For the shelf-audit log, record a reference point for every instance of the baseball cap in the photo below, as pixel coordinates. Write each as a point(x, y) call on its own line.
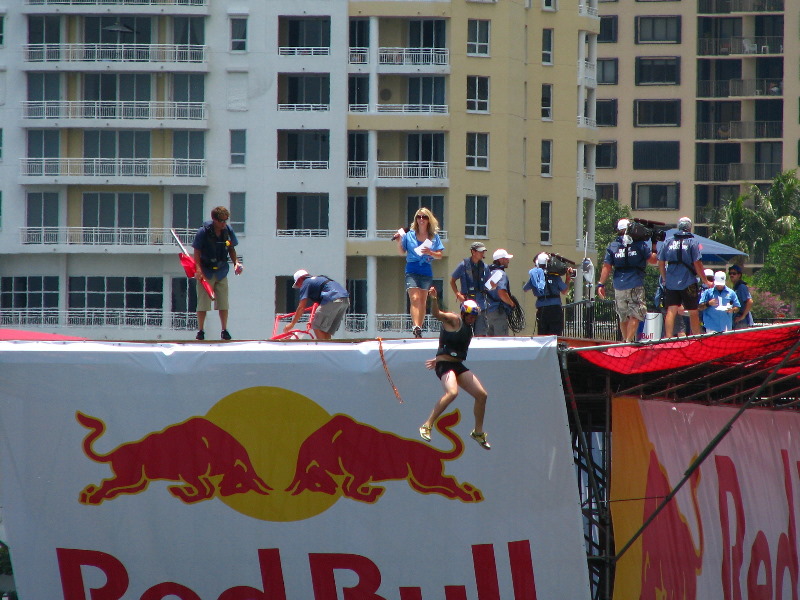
point(735, 268)
point(470, 307)
point(719, 278)
point(542, 258)
point(500, 253)
point(708, 273)
point(684, 224)
point(478, 246)
point(623, 224)
point(298, 275)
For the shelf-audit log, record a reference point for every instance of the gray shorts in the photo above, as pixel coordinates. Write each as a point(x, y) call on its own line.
point(630, 303)
point(329, 316)
point(220, 287)
point(497, 323)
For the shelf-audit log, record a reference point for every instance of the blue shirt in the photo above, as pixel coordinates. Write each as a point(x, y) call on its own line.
point(214, 249)
point(718, 320)
point(419, 263)
point(322, 290)
point(547, 287)
point(493, 301)
point(629, 262)
point(472, 289)
point(680, 253)
point(743, 293)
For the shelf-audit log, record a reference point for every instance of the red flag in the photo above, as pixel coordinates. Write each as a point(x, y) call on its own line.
point(190, 268)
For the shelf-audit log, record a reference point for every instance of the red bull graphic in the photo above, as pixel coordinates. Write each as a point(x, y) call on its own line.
point(206, 460)
point(349, 456)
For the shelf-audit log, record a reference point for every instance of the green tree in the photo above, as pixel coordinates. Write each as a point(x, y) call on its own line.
point(781, 265)
point(608, 212)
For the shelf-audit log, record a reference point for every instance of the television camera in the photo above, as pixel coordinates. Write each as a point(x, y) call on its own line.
point(560, 265)
point(640, 230)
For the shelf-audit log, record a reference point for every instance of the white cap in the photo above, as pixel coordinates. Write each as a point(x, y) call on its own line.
point(622, 224)
point(719, 278)
point(500, 253)
point(542, 258)
point(708, 273)
point(299, 275)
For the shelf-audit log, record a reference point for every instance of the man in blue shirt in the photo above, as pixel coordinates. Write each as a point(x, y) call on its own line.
point(472, 274)
point(629, 260)
point(498, 298)
point(744, 318)
point(680, 264)
point(719, 304)
point(548, 289)
point(333, 302)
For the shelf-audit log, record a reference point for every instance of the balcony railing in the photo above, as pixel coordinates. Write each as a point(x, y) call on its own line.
point(412, 108)
point(113, 167)
point(586, 121)
point(304, 51)
point(98, 317)
point(117, 2)
point(390, 169)
point(587, 72)
point(302, 233)
point(740, 45)
point(88, 109)
point(402, 323)
point(304, 107)
point(740, 130)
point(413, 56)
point(303, 164)
point(104, 236)
point(357, 169)
point(587, 11)
point(739, 87)
point(359, 56)
point(722, 7)
point(169, 53)
point(737, 172)
point(382, 234)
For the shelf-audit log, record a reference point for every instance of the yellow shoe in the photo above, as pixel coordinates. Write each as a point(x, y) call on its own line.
point(425, 433)
point(481, 439)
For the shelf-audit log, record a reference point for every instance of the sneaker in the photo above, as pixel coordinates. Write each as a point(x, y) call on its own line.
point(417, 331)
point(481, 439)
point(225, 335)
point(425, 433)
point(201, 335)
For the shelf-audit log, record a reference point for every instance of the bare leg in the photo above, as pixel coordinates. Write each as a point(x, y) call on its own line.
point(223, 318)
point(418, 298)
point(322, 335)
point(669, 321)
point(450, 385)
point(201, 319)
point(694, 322)
point(472, 385)
point(629, 329)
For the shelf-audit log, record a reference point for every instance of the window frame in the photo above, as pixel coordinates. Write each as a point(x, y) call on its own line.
point(662, 150)
point(16, 295)
point(614, 191)
point(238, 38)
point(238, 147)
point(473, 158)
point(639, 67)
point(653, 26)
point(614, 154)
point(549, 5)
point(613, 33)
point(478, 93)
point(547, 110)
point(476, 47)
point(548, 43)
point(639, 102)
point(237, 201)
point(635, 186)
point(546, 223)
point(604, 62)
point(546, 158)
point(476, 216)
point(603, 102)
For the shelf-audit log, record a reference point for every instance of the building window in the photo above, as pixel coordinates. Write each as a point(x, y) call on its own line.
point(357, 213)
point(35, 291)
point(42, 209)
point(664, 70)
point(305, 212)
point(238, 146)
point(606, 113)
point(606, 155)
point(184, 298)
point(358, 93)
point(547, 46)
point(549, 4)
point(306, 89)
point(116, 210)
point(653, 196)
point(237, 208)
point(608, 29)
point(477, 150)
point(547, 158)
point(478, 37)
point(658, 30)
point(545, 222)
point(434, 202)
point(357, 288)
point(476, 222)
point(547, 102)
point(1, 144)
point(477, 94)
point(116, 293)
point(427, 91)
point(2, 30)
point(657, 113)
point(187, 211)
point(305, 32)
point(656, 155)
point(238, 34)
point(607, 191)
point(607, 71)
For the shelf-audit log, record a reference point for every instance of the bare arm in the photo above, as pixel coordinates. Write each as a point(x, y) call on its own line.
point(505, 297)
point(699, 268)
point(301, 307)
point(445, 317)
point(457, 294)
point(198, 272)
point(605, 272)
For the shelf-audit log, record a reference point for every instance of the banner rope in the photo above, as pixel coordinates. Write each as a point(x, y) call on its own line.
point(386, 368)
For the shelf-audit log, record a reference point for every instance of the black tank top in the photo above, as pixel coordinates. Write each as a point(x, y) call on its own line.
point(455, 343)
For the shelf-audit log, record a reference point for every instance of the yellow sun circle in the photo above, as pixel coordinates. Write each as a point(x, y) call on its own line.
point(272, 423)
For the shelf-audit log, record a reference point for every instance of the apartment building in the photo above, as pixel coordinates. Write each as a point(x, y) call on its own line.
point(322, 125)
point(694, 102)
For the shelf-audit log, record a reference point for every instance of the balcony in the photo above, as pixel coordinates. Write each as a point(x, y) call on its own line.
point(303, 233)
point(748, 172)
point(86, 109)
point(586, 185)
point(414, 56)
point(739, 87)
point(381, 234)
point(104, 236)
point(304, 107)
point(738, 130)
point(586, 122)
point(98, 317)
point(585, 10)
point(94, 168)
point(740, 45)
point(358, 56)
point(116, 2)
point(119, 53)
point(724, 7)
point(304, 51)
point(415, 109)
point(587, 73)
point(303, 165)
point(392, 169)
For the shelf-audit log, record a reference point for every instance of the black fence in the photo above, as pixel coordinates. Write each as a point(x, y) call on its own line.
point(591, 319)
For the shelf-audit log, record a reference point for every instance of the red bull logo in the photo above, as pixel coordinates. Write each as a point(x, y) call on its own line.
point(274, 455)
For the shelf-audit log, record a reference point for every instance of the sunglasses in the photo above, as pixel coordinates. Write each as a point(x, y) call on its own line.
point(422, 217)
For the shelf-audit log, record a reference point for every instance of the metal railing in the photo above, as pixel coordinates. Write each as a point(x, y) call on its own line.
point(413, 56)
point(170, 53)
point(358, 56)
point(304, 51)
point(721, 7)
point(303, 164)
point(117, 2)
point(97, 109)
point(304, 107)
point(390, 169)
point(739, 87)
point(591, 319)
point(355, 323)
point(737, 172)
point(98, 317)
point(739, 130)
point(356, 169)
point(586, 121)
point(402, 323)
point(104, 236)
point(113, 167)
point(588, 11)
point(302, 233)
point(382, 234)
point(412, 108)
point(740, 45)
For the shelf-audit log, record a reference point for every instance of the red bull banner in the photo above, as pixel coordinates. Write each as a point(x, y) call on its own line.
point(730, 533)
point(268, 471)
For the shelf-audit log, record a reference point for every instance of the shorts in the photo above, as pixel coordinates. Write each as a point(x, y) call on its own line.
point(549, 320)
point(497, 322)
point(686, 298)
point(630, 303)
point(329, 316)
point(416, 280)
point(220, 287)
point(443, 366)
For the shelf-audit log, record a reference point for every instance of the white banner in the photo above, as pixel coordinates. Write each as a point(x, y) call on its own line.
point(276, 471)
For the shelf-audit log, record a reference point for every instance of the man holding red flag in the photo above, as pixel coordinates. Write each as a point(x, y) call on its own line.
point(213, 243)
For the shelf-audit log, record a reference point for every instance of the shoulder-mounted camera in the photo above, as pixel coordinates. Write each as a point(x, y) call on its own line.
point(558, 265)
point(641, 230)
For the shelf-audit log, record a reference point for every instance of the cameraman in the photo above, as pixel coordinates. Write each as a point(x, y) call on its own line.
point(498, 299)
point(629, 260)
point(548, 287)
point(680, 264)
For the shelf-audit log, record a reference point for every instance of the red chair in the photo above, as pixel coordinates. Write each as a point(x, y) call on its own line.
point(295, 334)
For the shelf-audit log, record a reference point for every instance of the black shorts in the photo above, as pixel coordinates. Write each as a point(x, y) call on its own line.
point(686, 298)
point(443, 366)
